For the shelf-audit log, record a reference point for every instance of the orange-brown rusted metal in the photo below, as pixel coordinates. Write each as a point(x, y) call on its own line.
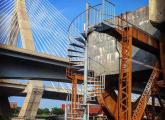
point(161, 83)
point(74, 78)
point(162, 53)
point(130, 34)
point(125, 82)
point(140, 109)
point(80, 77)
point(142, 37)
point(145, 38)
point(121, 109)
point(74, 95)
point(70, 75)
point(106, 101)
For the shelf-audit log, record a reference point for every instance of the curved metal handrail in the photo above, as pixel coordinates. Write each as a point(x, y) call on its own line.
point(96, 15)
point(110, 3)
point(81, 14)
point(91, 7)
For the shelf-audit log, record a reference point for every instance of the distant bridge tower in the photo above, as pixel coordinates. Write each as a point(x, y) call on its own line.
point(35, 88)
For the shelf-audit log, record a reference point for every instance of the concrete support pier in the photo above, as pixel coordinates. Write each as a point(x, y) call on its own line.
point(32, 101)
point(157, 13)
point(157, 19)
point(35, 88)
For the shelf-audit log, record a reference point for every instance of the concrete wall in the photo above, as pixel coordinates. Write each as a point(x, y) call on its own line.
point(102, 47)
point(157, 13)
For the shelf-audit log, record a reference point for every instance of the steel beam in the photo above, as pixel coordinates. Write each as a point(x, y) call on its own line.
point(11, 88)
point(17, 64)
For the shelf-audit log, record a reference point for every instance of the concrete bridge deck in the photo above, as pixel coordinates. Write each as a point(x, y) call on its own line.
point(19, 63)
point(15, 88)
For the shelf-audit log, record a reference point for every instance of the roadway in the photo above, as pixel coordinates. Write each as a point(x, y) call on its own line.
point(21, 64)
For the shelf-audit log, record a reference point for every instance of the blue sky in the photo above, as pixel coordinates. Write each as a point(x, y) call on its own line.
point(71, 8)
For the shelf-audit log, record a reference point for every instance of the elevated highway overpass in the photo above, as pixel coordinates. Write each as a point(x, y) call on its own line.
point(21, 64)
point(26, 64)
point(15, 88)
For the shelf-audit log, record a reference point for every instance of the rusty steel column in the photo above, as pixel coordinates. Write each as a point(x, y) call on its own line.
point(162, 52)
point(35, 88)
point(74, 96)
point(125, 83)
point(157, 19)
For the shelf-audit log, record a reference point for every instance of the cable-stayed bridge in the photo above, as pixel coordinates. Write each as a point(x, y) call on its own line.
point(34, 46)
point(48, 25)
point(34, 25)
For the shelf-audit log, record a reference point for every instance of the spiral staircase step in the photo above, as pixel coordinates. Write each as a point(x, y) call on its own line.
point(76, 45)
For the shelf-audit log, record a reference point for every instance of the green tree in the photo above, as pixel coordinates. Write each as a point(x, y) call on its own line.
point(39, 112)
point(15, 110)
point(46, 111)
point(57, 111)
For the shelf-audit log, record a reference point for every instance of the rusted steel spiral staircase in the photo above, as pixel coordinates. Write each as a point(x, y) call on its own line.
point(101, 18)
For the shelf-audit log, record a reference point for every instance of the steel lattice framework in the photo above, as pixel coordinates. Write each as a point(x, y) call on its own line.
point(125, 83)
point(128, 35)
